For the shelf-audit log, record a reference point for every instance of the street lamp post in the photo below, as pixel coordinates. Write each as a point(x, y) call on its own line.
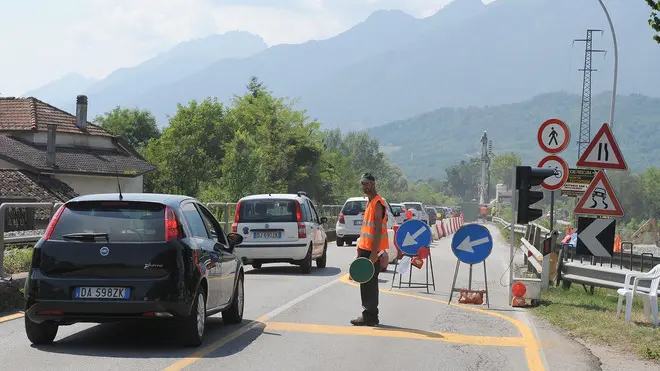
point(616, 64)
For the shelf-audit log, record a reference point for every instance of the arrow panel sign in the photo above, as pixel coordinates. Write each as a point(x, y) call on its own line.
point(472, 243)
point(599, 199)
point(603, 152)
point(412, 235)
point(595, 237)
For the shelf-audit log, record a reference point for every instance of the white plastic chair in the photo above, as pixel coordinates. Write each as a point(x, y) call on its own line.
point(650, 299)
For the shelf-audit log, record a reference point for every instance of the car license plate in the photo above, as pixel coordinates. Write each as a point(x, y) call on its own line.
point(357, 222)
point(102, 293)
point(267, 235)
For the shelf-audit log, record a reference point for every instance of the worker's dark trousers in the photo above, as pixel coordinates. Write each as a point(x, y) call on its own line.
point(369, 291)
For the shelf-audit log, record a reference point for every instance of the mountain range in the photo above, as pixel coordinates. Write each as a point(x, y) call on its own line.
point(425, 145)
point(393, 66)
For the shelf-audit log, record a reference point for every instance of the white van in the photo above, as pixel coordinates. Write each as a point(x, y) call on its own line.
point(280, 228)
point(350, 219)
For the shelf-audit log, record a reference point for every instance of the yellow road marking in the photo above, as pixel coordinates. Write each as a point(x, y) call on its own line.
point(181, 364)
point(11, 317)
point(532, 349)
point(402, 333)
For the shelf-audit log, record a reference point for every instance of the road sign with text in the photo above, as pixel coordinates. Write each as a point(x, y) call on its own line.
point(578, 182)
point(599, 199)
point(553, 136)
point(603, 152)
point(595, 237)
point(560, 168)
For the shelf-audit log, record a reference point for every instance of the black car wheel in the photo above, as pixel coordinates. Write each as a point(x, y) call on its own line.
point(40, 333)
point(194, 325)
point(340, 242)
point(234, 314)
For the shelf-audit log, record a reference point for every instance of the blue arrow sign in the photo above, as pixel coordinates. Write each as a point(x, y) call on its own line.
point(412, 235)
point(472, 243)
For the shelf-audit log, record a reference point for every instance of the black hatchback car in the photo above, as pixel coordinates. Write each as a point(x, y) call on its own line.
point(112, 257)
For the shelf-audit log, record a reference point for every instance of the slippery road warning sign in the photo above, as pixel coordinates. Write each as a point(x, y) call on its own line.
point(599, 199)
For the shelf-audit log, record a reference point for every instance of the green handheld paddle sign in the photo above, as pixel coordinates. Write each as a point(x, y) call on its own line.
point(361, 270)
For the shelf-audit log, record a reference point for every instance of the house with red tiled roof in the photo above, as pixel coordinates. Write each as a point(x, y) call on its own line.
point(61, 153)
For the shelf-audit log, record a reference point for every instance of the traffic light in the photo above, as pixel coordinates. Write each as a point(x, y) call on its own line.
point(526, 178)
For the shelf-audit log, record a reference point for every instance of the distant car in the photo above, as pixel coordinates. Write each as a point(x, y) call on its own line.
point(349, 224)
point(420, 208)
point(399, 212)
point(136, 257)
point(433, 215)
point(280, 228)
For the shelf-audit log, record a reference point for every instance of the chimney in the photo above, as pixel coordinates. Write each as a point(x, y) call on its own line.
point(81, 112)
point(50, 145)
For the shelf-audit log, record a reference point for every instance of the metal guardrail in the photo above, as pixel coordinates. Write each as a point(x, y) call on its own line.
point(537, 257)
point(519, 228)
point(597, 276)
point(3, 209)
point(587, 272)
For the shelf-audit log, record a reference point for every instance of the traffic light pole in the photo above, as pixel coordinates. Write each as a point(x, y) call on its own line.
point(514, 202)
point(552, 211)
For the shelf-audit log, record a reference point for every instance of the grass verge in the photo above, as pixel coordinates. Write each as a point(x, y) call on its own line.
point(593, 317)
point(18, 260)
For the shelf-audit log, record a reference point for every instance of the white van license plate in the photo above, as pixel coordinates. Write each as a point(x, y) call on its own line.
point(357, 222)
point(102, 293)
point(259, 235)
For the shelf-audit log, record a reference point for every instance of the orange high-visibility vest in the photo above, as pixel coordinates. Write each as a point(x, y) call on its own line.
point(409, 214)
point(368, 231)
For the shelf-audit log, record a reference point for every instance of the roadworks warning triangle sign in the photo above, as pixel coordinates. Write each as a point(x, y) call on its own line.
point(603, 152)
point(599, 199)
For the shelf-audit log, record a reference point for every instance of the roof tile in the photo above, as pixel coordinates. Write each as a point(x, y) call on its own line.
point(73, 160)
point(23, 184)
point(28, 114)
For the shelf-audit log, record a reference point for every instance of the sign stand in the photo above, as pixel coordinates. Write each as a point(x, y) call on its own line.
point(471, 245)
point(469, 290)
point(411, 237)
point(409, 283)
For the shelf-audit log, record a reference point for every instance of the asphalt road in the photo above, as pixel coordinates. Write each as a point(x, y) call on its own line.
point(301, 322)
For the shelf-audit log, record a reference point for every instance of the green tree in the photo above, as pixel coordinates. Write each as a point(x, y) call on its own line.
point(654, 20)
point(132, 124)
point(463, 178)
point(500, 168)
point(650, 183)
point(191, 148)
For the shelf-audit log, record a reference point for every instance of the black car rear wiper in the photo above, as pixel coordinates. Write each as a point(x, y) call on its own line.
point(86, 236)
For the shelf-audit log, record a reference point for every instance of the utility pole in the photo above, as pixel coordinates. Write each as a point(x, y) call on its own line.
point(616, 63)
point(485, 164)
point(585, 111)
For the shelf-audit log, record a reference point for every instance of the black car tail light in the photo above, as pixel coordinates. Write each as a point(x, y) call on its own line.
point(172, 227)
point(53, 222)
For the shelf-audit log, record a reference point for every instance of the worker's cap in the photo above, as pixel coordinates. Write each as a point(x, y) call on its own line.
point(367, 177)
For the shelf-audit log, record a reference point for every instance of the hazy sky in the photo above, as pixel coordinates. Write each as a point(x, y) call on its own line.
point(43, 40)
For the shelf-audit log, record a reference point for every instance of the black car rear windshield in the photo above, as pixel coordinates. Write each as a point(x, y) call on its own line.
point(267, 211)
point(122, 221)
point(354, 207)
